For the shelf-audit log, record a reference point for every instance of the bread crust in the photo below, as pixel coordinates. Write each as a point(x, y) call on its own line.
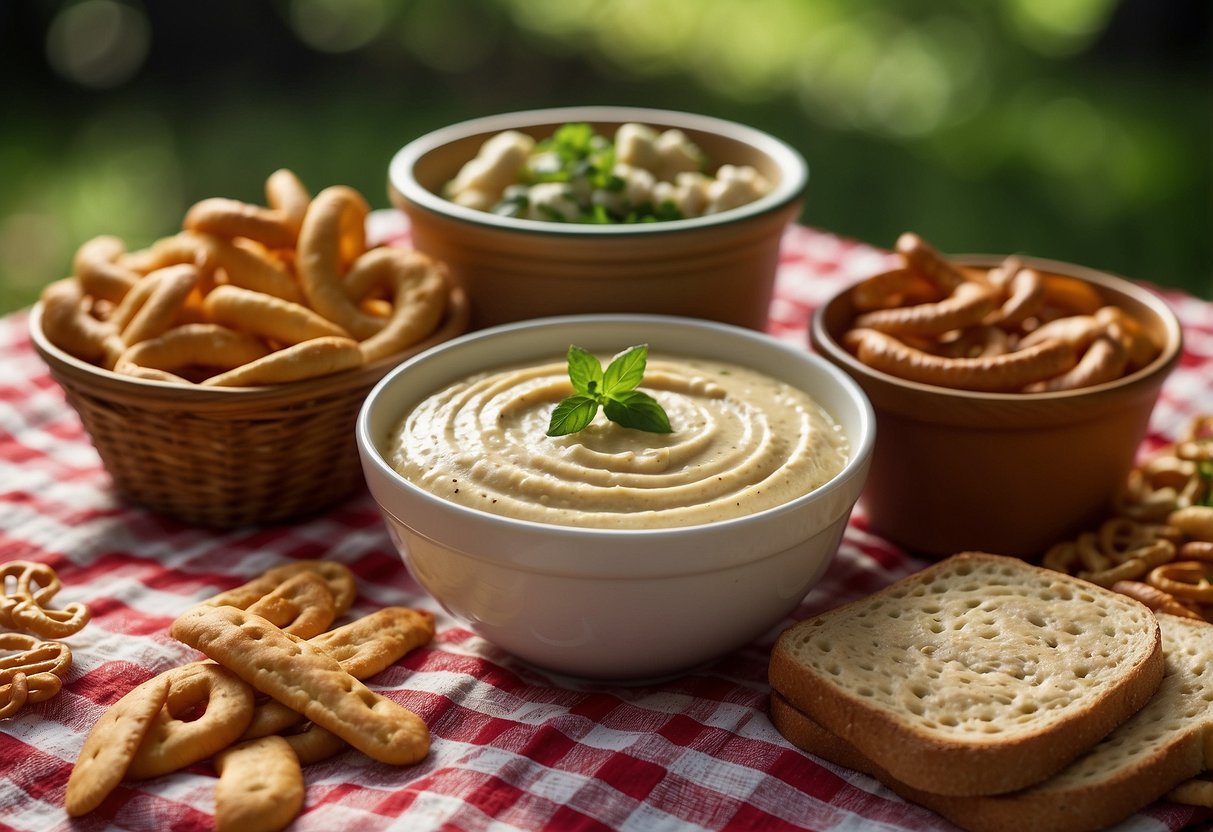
point(1022, 749)
point(1102, 787)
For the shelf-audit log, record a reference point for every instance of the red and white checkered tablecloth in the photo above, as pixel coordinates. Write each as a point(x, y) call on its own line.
point(513, 748)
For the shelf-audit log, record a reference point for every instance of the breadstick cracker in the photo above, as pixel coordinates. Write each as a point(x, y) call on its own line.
point(306, 679)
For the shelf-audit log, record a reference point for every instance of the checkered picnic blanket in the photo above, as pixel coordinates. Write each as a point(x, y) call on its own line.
point(513, 748)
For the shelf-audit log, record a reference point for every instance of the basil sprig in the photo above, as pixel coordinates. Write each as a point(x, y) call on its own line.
point(614, 390)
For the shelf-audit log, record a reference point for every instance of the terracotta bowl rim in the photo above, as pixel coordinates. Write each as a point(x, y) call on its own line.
point(788, 191)
point(1163, 363)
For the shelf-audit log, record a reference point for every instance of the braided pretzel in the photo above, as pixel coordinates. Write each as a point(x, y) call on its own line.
point(25, 608)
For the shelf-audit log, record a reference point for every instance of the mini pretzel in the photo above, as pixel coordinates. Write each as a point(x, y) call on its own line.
point(260, 786)
point(266, 315)
point(32, 671)
point(967, 305)
point(332, 236)
point(26, 608)
point(69, 326)
point(1194, 521)
point(194, 345)
point(309, 359)
point(205, 709)
point(233, 218)
point(1155, 598)
point(1187, 580)
point(98, 268)
point(1000, 373)
point(1142, 561)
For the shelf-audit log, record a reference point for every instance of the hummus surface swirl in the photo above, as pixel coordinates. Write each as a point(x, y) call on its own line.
point(742, 442)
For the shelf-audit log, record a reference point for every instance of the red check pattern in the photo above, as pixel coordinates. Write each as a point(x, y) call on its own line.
point(513, 748)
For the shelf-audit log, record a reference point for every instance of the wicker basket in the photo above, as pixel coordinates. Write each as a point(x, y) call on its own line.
point(225, 458)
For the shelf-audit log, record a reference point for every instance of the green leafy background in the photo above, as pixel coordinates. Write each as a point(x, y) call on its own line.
point(1072, 129)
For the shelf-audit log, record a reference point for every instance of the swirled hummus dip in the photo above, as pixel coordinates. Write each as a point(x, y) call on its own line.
point(742, 442)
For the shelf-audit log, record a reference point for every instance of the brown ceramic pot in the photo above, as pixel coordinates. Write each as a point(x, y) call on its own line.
point(720, 267)
point(1006, 473)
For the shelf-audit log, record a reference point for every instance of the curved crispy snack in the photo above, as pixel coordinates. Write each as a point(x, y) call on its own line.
point(306, 679)
point(111, 744)
point(307, 359)
point(260, 787)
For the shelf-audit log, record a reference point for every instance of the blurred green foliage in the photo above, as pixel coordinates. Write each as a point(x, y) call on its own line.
point(1072, 129)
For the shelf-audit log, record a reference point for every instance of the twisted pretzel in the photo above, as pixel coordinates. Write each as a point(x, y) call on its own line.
point(25, 606)
point(32, 671)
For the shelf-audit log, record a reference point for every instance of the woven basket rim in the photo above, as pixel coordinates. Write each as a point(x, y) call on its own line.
point(107, 384)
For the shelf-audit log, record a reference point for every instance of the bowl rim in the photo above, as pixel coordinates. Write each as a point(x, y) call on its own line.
point(1170, 354)
point(861, 446)
point(789, 190)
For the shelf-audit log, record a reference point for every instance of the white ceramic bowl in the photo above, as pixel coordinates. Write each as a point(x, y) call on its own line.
point(614, 603)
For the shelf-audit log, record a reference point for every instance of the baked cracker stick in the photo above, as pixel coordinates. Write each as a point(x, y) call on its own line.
point(260, 786)
point(337, 575)
point(306, 679)
point(302, 605)
point(111, 744)
point(363, 648)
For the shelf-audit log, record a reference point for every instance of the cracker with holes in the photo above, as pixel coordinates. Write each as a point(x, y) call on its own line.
point(978, 675)
point(306, 679)
point(260, 786)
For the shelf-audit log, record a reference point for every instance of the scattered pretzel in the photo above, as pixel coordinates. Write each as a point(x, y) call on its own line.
point(273, 273)
point(1009, 329)
point(25, 606)
point(30, 670)
point(1155, 598)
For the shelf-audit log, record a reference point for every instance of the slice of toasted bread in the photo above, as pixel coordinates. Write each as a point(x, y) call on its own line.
point(978, 675)
point(1167, 742)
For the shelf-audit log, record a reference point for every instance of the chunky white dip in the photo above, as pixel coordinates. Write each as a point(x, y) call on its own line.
point(742, 442)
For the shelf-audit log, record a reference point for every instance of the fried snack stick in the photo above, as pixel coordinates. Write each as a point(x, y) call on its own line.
point(111, 744)
point(192, 345)
point(967, 305)
point(69, 326)
point(25, 606)
point(306, 679)
point(999, 373)
point(420, 292)
point(229, 218)
point(362, 648)
point(260, 787)
point(266, 315)
point(339, 578)
point(308, 359)
point(332, 237)
point(99, 267)
point(286, 194)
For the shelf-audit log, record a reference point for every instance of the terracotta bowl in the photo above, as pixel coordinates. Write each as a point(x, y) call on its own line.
point(721, 267)
point(614, 603)
point(1005, 473)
